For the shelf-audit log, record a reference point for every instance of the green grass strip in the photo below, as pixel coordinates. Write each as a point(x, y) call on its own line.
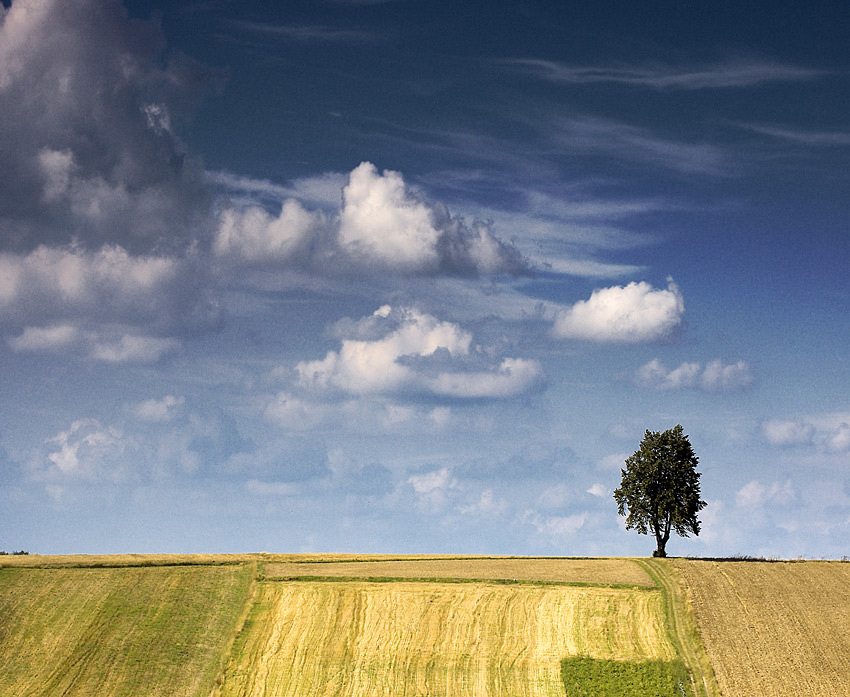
point(594, 677)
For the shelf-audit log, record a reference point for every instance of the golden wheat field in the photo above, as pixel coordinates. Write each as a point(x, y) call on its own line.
point(773, 629)
point(361, 639)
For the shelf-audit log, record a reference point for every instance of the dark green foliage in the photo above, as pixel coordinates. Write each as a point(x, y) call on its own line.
point(594, 677)
point(659, 491)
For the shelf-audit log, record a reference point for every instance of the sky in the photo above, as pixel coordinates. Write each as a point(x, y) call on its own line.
point(416, 276)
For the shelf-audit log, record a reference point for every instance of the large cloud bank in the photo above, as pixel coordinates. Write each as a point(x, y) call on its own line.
point(111, 247)
point(88, 103)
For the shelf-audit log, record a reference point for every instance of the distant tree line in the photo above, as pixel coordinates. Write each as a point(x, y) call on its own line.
point(15, 554)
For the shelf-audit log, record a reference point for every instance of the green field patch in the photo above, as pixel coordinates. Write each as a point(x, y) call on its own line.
point(584, 676)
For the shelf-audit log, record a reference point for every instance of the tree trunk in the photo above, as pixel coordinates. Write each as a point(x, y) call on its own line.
point(661, 543)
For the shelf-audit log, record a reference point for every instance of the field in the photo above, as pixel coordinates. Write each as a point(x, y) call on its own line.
point(361, 625)
point(420, 638)
point(774, 629)
point(615, 572)
point(118, 631)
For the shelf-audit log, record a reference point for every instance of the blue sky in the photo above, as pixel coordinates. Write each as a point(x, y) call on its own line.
point(396, 276)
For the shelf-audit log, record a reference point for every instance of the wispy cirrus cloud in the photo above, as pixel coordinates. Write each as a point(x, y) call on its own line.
point(811, 138)
point(625, 141)
point(306, 32)
point(721, 75)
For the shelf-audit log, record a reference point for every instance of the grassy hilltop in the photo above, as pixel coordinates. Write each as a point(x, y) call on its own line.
point(287, 625)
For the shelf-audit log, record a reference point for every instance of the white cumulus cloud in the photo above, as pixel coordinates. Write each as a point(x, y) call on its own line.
point(830, 432)
point(253, 235)
point(106, 303)
point(715, 377)
point(382, 224)
point(633, 313)
point(411, 351)
point(159, 410)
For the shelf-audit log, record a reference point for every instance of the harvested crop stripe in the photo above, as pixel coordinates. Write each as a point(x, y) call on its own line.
point(364, 639)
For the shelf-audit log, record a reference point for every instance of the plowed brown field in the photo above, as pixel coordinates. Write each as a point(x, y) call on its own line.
point(773, 629)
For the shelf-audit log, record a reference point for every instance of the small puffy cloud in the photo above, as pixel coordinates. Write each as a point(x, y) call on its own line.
point(787, 432)
point(373, 366)
point(156, 440)
point(51, 338)
point(655, 375)
point(159, 410)
point(486, 505)
point(715, 377)
point(253, 235)
point(556, 528)
point(87, 450)
point(829, 432)
point(300, 413)
point(754, 494)
point(103, 345)
point(512, 377)
point(130, 348)
point(108, 284)
point(384, 222)
point(599, 490)
point(623, 314)
point(408, 351)
point(432, 488)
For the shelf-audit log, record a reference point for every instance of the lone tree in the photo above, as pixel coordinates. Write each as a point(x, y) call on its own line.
point(660, 488)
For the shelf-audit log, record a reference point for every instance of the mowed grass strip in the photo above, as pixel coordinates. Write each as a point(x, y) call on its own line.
point(613, 572)
point(140, 632)
point(773, 629)
point(363, 639)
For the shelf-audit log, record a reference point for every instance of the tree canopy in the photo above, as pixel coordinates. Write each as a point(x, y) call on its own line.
point(659, 491)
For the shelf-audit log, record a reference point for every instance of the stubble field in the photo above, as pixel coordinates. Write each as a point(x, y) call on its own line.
point(362, 639)
point(773, 629)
